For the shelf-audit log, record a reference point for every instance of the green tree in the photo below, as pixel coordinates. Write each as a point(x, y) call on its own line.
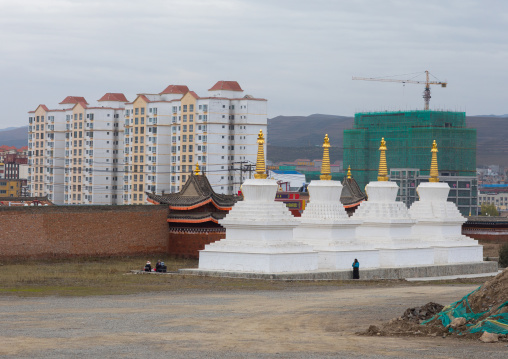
point(489, 209)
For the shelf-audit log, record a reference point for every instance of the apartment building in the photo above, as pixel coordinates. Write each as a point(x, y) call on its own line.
point(166, 134)
point(76, 151)
point(115, 152)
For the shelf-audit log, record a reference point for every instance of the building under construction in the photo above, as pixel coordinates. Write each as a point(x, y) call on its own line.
point(409, 136)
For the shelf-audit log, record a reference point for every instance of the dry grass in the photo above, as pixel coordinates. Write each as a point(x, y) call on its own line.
point(82, 276)
point(109, 276)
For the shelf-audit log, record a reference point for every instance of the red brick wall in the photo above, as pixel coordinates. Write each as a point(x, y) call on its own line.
point(68, 231)
point(187, 242)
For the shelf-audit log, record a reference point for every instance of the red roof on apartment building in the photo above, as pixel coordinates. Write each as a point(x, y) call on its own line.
point(7, 148)
point(226, 85)
point(74, 99)
point(110, 96)
point(178, 89)
point(193, 94)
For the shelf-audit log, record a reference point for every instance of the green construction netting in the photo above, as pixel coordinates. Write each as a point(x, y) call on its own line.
point(495, 323)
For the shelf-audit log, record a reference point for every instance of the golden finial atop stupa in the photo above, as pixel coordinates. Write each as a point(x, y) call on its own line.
point(325, 165)
point(196, 171)
point(260, 162)
point(349, 172)
point(433, 164)
point(383, 171)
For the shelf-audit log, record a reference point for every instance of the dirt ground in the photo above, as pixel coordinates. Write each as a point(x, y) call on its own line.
point(312, 322)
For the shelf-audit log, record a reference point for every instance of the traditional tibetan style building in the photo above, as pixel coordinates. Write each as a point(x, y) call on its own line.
point(193, 216)
point(351, 195)
point(486, 229)
point(25, 201)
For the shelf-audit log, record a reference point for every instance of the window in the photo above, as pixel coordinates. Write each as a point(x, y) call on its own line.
point(184, 108)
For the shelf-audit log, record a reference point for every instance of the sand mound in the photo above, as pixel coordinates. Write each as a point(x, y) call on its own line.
point(483, 310)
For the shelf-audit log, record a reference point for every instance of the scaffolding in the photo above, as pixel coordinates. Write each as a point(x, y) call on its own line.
point(409, 136)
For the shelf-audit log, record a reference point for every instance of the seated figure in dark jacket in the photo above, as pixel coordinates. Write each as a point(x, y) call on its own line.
point(148, 267)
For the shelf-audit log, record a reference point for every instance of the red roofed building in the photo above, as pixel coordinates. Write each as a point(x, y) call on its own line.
point(175, 89)
point(72, 100)
point(113, 97)
point(115, 152)
point(226, 86)
point(193, 216)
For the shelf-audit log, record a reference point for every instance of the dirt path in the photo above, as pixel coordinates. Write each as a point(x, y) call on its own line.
point(295, 323)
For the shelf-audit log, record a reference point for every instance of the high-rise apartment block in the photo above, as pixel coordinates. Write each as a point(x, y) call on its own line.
point(115, 152)
point(409, 136)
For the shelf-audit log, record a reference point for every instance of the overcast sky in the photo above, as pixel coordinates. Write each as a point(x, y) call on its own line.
point(300, 55)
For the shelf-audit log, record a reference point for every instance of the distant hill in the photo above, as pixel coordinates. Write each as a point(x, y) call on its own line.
point(17, 136)
point(302, 137)
point(292, 137)
point(492, 139)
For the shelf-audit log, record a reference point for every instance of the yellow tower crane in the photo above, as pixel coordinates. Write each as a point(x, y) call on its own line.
point(427, 82)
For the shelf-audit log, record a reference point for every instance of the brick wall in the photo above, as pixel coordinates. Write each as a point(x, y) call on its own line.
point(187, 242)
point(68, 231)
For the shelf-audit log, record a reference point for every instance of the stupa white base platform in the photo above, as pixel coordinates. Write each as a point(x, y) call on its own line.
point(462, 269)
point(259, 236)
point(458, 254)
point(326, 227)
point(387, 227)
point(439, 226)
point(343, 259)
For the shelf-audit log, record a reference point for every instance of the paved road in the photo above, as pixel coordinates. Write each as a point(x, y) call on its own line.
point(291, 323)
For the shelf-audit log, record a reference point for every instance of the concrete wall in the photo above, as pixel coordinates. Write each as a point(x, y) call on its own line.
point(69, 231)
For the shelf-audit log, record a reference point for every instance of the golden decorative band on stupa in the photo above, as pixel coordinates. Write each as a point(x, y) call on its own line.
point(349, 172)
point(383, 170)
point(196, 171)
point(434, 173)
point(260, 161)
point(325, 165)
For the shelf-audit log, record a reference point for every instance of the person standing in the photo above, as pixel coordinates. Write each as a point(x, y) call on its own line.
point(356, 269)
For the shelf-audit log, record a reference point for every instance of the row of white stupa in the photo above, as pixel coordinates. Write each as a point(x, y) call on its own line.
point(262, 236)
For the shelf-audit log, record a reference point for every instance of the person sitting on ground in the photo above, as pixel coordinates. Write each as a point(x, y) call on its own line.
point(164, 268)
point(356, 269)
point(158, 266)
point(148, 266)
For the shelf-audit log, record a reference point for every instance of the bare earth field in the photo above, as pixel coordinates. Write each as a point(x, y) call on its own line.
point(284, 322)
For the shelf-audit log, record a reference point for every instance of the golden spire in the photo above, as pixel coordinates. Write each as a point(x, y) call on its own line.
point(325, 165)
point(196, 171)
point(433, 164)
point(349, 172)
point(260, 162)
point(383, 171)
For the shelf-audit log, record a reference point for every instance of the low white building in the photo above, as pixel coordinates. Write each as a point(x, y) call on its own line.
point(294, 178)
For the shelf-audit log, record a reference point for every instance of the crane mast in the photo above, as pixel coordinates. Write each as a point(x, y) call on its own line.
point(427, 83)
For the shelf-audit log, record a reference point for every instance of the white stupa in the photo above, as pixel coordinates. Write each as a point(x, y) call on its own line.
point(440, 222)
point(325, 225)
point(259, 232)
point(387, 224)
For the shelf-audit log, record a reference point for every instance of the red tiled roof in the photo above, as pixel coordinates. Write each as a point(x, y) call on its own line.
point(145, 98)
point(114, 97)
point(178, 89)
point(24, 148)
point(73, 99)
point(193, 94)
point(226, 85)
